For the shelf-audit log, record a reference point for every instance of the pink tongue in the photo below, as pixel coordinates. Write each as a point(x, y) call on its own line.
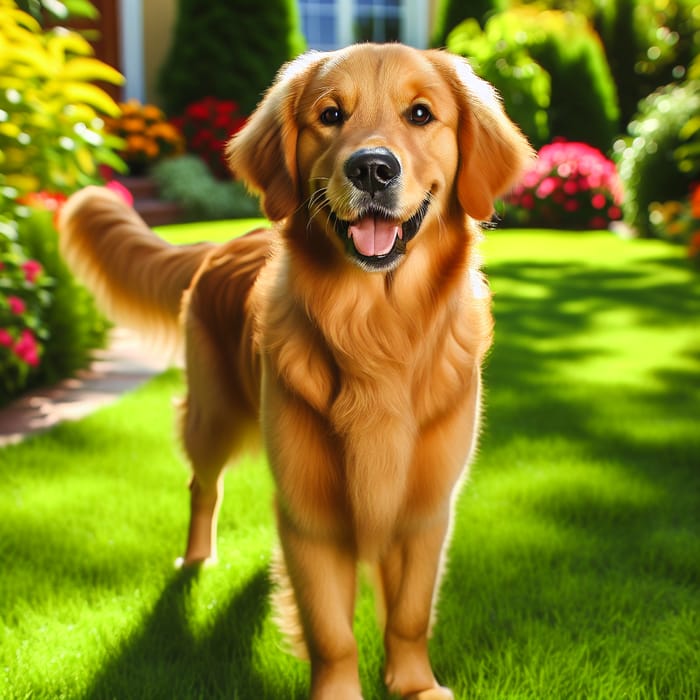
point(374, 236)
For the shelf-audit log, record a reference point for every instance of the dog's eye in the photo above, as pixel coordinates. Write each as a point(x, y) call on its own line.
point(331, 116)
point(420, 115)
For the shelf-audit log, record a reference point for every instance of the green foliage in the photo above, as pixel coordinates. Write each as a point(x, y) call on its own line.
point(649, 43)
point(58, 10)
point(450, 13)
point(51, 135)
point(229, 50)
point(501, 55)
point(188, 181)
point(518, 48)
point(659, 160)
point(74, 326)
point(51, 140)
point(24, 298)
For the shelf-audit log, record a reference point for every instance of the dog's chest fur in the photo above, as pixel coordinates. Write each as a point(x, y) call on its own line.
point(374, 384)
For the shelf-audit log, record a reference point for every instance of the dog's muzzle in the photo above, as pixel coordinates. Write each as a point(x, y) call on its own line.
point(377, 238)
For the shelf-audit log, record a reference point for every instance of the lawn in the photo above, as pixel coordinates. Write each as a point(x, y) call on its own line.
point(575, 566)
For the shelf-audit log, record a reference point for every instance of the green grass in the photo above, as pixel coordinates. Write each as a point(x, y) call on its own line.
point(575, 567)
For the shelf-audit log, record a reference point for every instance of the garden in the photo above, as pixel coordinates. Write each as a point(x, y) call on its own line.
point(575, 563)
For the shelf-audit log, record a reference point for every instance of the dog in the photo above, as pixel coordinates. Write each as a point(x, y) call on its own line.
point(350, 335)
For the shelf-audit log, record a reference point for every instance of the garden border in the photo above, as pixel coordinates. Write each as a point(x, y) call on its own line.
point(124, 365)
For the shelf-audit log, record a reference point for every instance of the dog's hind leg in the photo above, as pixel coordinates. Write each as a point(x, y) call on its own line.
point(215, 427)
point(208, 447)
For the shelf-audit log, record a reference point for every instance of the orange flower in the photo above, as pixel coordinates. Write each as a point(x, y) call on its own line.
point(136, 143)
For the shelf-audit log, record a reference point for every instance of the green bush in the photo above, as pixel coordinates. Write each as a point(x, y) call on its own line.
point(75, 327)
point(229, 50)
point(649, 43)
point(188, 181)
point(501, 55)
point(658, 161)
point(513, 51)
point(450, 13)
point(51, 141)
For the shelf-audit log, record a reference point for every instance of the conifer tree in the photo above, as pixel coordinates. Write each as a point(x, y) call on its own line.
point(229, 49)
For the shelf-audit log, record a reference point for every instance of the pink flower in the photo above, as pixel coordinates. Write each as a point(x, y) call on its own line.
point(17, 305)
point(6, 339)
point(598, 201)
point(122, 191)
point(527, 201)
point(27, 348)
point(32, 269)
point(547, 186)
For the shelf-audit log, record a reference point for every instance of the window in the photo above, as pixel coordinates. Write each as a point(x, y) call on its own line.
point(377, 20)
point(331, 24)
point(318, 22)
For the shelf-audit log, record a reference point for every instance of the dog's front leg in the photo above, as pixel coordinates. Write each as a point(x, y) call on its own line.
point(410, 574)
point(323, 576)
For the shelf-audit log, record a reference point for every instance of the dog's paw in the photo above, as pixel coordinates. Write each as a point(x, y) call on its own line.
point(183, 563)
point(439, 693)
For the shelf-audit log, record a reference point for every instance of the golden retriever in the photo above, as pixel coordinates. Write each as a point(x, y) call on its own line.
point(352, 332)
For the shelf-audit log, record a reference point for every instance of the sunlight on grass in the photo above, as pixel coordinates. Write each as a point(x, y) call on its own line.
point(576, 553)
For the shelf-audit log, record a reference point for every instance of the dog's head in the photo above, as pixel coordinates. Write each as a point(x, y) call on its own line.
point(373, 142)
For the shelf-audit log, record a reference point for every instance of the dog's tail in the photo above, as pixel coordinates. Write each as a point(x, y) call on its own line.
point(137, 278)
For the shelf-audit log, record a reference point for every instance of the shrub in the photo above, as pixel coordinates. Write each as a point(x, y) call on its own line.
point(51, 140)
point(74, 326)
point(188, 181)
point(24, 299)
point(648, 43)
point(450, 13)
point(570, 186)
point(229, 50)
point(656, 160)
point(51, 133)
point(147, 136)
point(679, 222)
point(524, 85)
point(207, 125)
point(582, 105)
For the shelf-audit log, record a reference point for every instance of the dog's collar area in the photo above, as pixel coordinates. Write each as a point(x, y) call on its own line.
point(376, 241)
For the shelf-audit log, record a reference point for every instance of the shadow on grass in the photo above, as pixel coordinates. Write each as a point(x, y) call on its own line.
point(579, 548)
point(578, 595)
point(165, 659)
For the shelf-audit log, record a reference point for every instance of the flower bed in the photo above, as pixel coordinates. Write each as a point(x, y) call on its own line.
point(570, 186)
point(24, 298)
point(207, 125)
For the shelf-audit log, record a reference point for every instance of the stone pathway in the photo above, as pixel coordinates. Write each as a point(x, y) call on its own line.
point(123, 366)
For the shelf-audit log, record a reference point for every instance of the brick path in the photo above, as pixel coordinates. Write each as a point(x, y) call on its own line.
point(123, 366)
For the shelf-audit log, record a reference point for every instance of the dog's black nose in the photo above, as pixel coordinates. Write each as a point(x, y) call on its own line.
point(372, 169)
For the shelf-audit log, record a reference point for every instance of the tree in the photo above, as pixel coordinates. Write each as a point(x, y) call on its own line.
point(229, 50)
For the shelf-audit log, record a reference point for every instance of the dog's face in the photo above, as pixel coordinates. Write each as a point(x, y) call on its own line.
point(376, 143)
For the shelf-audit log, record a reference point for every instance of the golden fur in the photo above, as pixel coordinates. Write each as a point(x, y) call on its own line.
point(353, 332)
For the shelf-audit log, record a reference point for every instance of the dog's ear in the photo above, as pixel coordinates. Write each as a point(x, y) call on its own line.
point(493, 152)
point(263, 153)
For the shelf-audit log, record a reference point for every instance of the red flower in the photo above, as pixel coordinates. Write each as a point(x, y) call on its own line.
point(27, 349)
point(5, 338)
point(32, 269)
point(17, 305)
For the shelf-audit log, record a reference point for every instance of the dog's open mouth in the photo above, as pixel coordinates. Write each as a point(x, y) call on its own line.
point(377, 241)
